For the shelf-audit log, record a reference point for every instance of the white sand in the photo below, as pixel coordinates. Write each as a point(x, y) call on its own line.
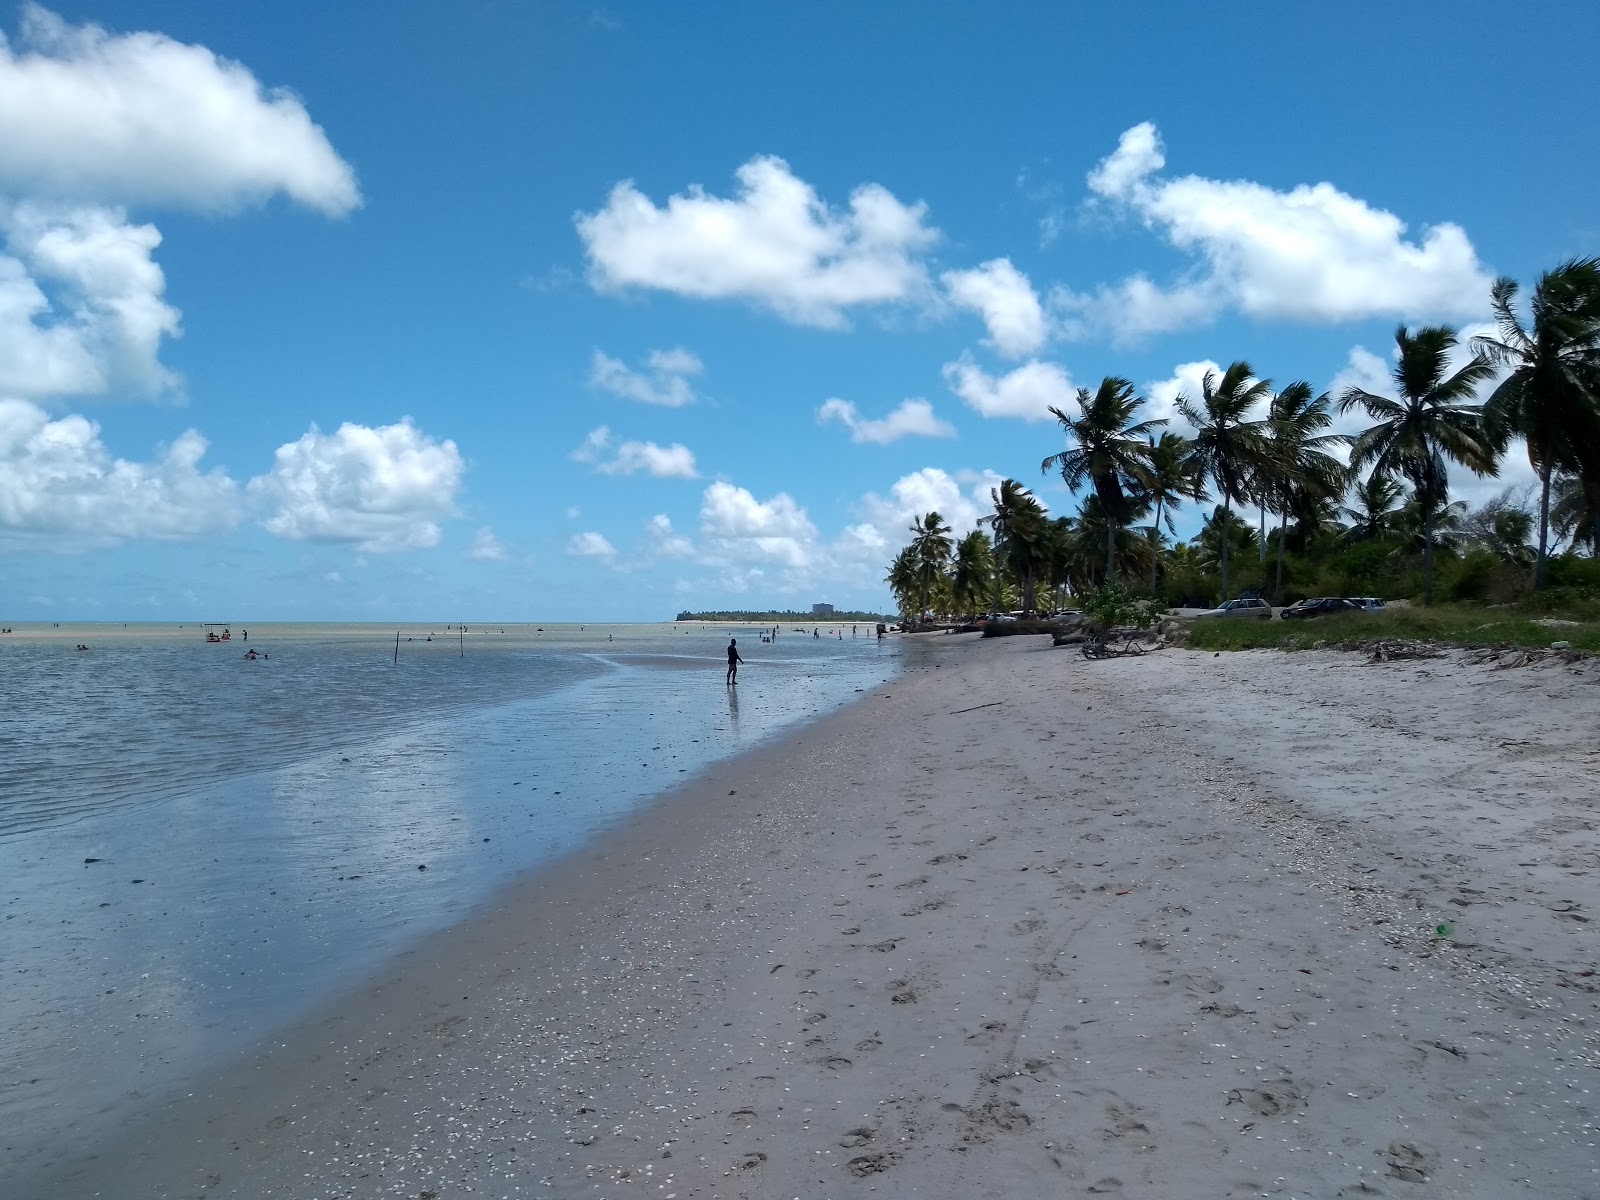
point(1148, 928)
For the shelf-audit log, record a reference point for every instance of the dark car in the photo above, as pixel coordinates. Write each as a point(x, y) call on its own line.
point(1322, 606)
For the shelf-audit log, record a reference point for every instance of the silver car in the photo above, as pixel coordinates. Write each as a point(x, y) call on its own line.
point(1251, 608)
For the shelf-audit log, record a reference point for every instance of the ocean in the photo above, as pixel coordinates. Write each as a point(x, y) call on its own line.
point(197, 848)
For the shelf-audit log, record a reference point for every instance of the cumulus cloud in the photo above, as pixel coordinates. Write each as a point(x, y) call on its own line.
point(1006, 301)
point(81, 304)
point(775, 244)
point(383, 489)
point(486, 547)
point(61, 486)
point(663, 541)
point(665, 383)
point(737, 527)
point(590, 545)
point(1312, 254)
point(86, 115)
point(1026, 392)
point(1162, 394)
point(960, 498)
point(913, 418)
point(664, 462)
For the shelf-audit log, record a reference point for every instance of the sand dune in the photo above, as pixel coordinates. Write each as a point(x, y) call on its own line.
point(1150, 928)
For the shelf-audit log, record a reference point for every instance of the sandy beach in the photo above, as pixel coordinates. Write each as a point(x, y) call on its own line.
point(1016, 925)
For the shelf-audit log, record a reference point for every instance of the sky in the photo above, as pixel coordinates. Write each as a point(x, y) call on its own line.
point(493, 310)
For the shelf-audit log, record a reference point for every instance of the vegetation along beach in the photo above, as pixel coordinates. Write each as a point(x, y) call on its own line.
point(1128, 482)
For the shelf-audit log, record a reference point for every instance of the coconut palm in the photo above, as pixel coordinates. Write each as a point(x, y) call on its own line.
point(1086, 536)
point(930, 546)
point(1376, 507)
point(1551, 398)
point(1111, 453)
point(1169, 481)
point(1298, 472)
point(1573, 514)
point(1431, 425)
point(1229, 445)
point(1018, 522)
point(903, 579)
point(973, 571)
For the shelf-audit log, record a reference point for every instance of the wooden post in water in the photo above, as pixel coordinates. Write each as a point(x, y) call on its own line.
point(461, 639)
point(397, 647)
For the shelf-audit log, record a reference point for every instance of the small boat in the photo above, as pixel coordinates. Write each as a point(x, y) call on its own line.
point(217, 631)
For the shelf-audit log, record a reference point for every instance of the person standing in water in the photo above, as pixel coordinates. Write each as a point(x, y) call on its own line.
point(733, 660)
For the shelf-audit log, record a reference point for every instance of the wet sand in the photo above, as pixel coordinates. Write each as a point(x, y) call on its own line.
point(1016, 925)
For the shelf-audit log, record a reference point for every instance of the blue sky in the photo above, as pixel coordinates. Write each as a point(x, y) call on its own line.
point(562, 312)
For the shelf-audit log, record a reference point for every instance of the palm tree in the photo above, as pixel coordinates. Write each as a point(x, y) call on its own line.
point(1212, 544)
point(1431, 425)
point(1574, 514)
point(903, 579)
point(1111, 454)
point(1168, 483)
point(1228, 446)
point(1376, 510)
point(1018, 521)
point(1551, 398)
point(973, 571)
point(1088, 533)
point(930, 545)
point(1298, 472)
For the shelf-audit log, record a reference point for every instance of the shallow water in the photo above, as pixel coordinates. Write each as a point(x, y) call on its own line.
point(256, 829)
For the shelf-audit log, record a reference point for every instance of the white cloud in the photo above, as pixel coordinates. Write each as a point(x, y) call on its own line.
point(81, 304)
point(777, 244)
point(1026, 392)
point(590, 545)
point(662, 541)
point(1162, 394)
point(1006, 301)
point(666, 384)
point(961, 499)
point(59, 482)
point(383, 488)
point(913, 418)
point(486, 547)
point(1312, 254)
point(737, 527)
point(141, 118)
point(664, 462)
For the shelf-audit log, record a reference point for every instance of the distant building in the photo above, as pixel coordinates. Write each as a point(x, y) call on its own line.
point(822, 610)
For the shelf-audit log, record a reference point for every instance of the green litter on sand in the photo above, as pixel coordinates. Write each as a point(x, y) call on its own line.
point(1444, 929)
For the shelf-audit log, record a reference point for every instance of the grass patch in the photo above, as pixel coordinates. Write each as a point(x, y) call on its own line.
point(1447, 624)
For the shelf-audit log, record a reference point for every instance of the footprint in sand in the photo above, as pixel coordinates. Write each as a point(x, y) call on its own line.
point(1155, 945)
point(746, 1116)
point(1272, 1098)
point(868, 1044)
point(836, 1062)
point(870, 1164)
point(1025, 926)
point(1124, 1120)
point(940, 859)
point(1201, 983)
point(911, 883)
point(987, 1035)
point(814, 1018)
point(1109, 1183)
point(901, 992)
point(1220, 1008)
point(857, 1137)
point(1410, 1162)
point(1048, 970)
point(751, 1160)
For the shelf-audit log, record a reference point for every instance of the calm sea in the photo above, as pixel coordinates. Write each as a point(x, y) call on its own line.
point(195, 848)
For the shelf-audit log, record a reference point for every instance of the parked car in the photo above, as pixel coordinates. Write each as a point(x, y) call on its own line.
point(1320, 606)
point(1369, 604)
point(1248, 608)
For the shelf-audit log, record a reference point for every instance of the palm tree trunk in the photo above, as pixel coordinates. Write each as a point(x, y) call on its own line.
point(1427, 554)
point(1283, 524)
point(1155, 549)
point(1027, 588)
point(1111, 550)
point(1226, 516)
point(1544, 527)
point(1262, 536)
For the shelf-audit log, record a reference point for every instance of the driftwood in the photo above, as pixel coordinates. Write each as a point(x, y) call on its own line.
point(1395, 649)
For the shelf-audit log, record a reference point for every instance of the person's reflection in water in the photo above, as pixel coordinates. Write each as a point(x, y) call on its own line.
point(733, 708)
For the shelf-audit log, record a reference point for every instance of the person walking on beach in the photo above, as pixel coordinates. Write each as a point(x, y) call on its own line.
point(733, 660)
